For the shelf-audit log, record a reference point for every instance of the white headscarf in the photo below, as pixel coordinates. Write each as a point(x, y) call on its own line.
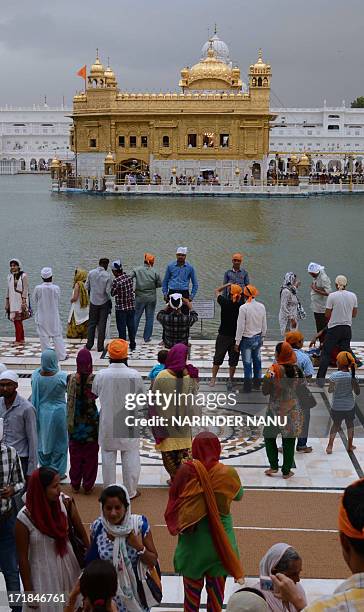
point(46, 273)
point(341, 281)
point(127, 585)
point(315, 268)
point(245, 601)
point(16, 261)
point(267, 564)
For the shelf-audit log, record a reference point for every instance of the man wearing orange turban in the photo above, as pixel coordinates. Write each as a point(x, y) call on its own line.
point(295, 339)
point(236, 275)
point(250, 331)
point(116, 386)
point(225, 340)
point(147, 281)
point(343, 385)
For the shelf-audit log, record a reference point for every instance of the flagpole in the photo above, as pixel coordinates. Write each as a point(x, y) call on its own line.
point(85, 77)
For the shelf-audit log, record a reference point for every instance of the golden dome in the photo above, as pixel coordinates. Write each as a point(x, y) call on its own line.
point(304, 161)
point(109, 158)
point(294, 159)
point(109, 75)
point(55, 163)
point(260, 66)
point(97, 69)
point(210, 68)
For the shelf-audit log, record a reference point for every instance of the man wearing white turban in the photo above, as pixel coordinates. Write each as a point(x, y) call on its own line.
point(320, 289)
point(46, 300)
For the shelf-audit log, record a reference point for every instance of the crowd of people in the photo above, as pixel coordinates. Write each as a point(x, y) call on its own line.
point(82, 413)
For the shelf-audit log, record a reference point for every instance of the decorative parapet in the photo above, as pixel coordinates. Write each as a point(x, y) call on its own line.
point(125, 95)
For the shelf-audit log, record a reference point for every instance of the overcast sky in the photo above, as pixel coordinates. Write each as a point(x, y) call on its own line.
point(315, 47)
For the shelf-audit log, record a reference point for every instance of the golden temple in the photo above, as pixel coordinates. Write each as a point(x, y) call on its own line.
point(214, 124)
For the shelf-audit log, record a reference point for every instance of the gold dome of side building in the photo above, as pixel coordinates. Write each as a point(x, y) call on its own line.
point(212, 124)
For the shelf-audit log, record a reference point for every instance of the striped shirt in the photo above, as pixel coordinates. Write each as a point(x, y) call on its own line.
point(11, 474)
point(342, 397)
point(348, 597)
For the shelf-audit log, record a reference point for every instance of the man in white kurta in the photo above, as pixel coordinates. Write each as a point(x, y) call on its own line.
point(49, 326)
point(111, 385)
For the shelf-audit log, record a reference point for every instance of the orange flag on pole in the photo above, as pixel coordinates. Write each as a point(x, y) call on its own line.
point(82, 72)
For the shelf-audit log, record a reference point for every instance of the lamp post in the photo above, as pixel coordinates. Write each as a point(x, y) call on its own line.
point(237, 176)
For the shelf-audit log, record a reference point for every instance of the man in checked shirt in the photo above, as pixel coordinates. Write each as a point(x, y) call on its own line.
point(123, 291)
point(11, 481)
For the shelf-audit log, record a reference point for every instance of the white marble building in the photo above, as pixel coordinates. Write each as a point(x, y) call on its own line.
point(329, 134)
point(31, 136)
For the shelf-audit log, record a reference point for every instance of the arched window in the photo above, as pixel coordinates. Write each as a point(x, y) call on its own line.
point(260, 81)
point(165, 141)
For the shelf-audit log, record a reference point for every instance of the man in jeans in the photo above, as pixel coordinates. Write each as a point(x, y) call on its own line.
point(341, 308)
point(250, 331)
point(123, 292)
point(147, 280)
point(98, 284)
point(11, 481)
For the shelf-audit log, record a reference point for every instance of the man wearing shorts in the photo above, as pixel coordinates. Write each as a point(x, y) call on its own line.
point(225, 341)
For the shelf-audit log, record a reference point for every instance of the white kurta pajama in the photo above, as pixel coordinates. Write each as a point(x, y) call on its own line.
point(111, 385)
point(48, 321)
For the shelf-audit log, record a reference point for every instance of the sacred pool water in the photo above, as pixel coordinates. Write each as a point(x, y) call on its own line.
point(275, 235)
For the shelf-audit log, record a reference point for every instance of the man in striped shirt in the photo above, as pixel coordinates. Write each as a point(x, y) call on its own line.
point(11, 481)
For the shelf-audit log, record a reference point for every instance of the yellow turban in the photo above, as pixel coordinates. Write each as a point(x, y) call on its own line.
point(345, 358)
point(294, 337)
point(149, 258)
point(118, 349)
point(235, 292)
point(250, 292)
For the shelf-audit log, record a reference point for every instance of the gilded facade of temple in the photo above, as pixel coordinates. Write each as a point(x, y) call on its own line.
point(214, 125)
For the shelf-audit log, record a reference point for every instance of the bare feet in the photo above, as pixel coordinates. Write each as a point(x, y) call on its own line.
point(212, 382)
point(351, 448)
point(329, 450)
point(289, 475)
point(137, 494)
point(270, 472)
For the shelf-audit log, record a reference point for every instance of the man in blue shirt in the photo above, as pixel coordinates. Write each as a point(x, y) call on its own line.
point(178, 276)
point(236, 275)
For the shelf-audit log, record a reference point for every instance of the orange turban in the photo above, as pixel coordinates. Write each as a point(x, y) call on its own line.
point(237, 256)
point(294, 337)
point(250, 292)
point(235, 292)
point(345, 525)
point(149, 258)
point(118, 349)
point(345, 358)
point(287, 356)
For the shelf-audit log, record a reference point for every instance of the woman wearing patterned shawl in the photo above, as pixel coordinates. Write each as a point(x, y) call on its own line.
point(198, 512)
point(290, 309)
point(79, 313)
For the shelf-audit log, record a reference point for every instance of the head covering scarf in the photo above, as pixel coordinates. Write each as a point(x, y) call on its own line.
point(235, 292)
point(9, 375)
point(49, 361)
point(127, 585)
point(175, 300)
point(250, 292)
point(198, 491)
point(266, 566)
point(17, 261)
point(288, 282)
point(84, 361)
point(176, 360)
point(345, 525)
point(237, 256)
point(341, 281)
point(80, 278)
point(315, 268)
point(287, 356)
point(118, 349)
point(149, 259)
point(294, 337)
point(245, 601)
point(46, 273)
point(206, 448)
point(345, 358)
point(47, 516)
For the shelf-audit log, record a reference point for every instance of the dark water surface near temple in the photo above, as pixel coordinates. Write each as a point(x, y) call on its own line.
point(276, 236)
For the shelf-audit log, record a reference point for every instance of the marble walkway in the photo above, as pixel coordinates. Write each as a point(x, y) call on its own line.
point(243, 448)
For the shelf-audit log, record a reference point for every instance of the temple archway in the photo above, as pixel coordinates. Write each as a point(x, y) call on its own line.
point(132, 167)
